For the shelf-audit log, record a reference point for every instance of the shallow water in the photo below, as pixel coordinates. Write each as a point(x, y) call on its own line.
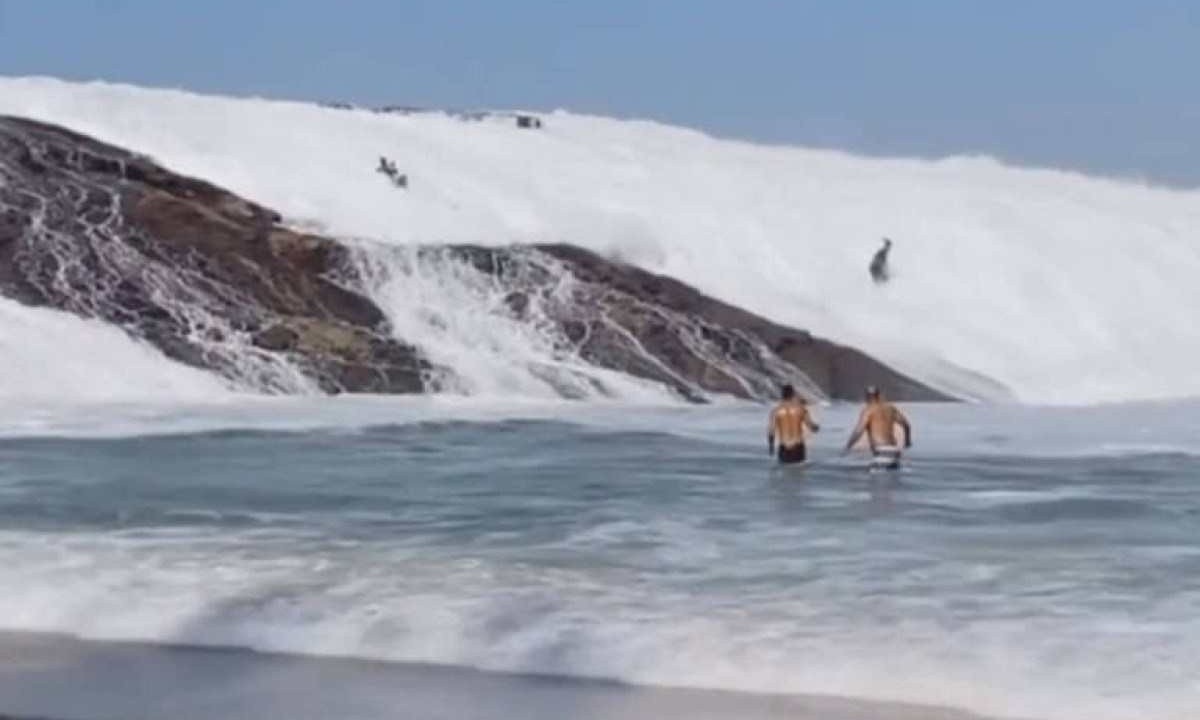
point(1040, 563)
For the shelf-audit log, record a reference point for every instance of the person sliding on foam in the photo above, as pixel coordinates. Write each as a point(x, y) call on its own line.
point(879, 263)
point(386, 167)
point(787, 423)
point(878, 420)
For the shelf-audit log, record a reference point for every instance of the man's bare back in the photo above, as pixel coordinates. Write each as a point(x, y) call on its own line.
point(787, 424)
point(879, 420)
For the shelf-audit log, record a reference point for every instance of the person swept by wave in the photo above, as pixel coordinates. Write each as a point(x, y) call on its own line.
point(787, 424)
point(879, 263)
point(879, 420)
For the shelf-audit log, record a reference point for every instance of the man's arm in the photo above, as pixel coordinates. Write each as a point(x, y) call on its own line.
point(903, 422)
point(858, 430)
point(771, 420)
point(808, 420)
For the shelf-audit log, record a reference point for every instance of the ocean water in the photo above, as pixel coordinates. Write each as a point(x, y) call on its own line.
point(1039, 563)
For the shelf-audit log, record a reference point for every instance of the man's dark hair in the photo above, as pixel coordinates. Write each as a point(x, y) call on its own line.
point(788, 392)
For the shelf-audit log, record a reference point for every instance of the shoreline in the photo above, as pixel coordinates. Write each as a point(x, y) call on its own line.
point(58, 677)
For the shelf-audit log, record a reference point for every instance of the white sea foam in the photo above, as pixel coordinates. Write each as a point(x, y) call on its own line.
point(271, 591)
point(52, 355)
point(1060, 287)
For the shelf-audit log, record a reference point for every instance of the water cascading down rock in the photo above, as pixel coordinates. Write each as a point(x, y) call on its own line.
point(216, 281)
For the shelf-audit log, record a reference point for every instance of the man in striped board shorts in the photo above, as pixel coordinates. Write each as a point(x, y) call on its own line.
point(879, 419)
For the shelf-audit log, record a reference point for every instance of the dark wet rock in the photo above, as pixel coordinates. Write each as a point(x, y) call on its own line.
point(277, 337)
point(214, 281)
point(528, 121)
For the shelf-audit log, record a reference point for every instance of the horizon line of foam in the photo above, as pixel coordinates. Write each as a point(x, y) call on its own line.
point(980, 158)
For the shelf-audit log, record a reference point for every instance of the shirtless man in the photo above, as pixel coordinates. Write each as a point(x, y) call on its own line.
point(787, 424)
point(878, 420)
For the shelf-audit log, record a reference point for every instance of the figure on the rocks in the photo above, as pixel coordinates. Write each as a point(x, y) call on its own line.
point(879, 263)
point(529, 121)
point(387, 167)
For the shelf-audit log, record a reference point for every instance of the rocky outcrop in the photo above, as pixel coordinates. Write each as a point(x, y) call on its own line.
point(208, 277)
point(215, 281)
point(621, 317)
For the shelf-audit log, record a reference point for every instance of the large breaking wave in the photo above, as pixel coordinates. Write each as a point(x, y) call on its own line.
point(1059, 287)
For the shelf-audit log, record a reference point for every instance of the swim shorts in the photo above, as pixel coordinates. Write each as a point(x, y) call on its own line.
point(886, 457)
point(793, 454)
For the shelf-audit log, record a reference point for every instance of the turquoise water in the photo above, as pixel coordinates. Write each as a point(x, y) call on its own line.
point(1027, 563)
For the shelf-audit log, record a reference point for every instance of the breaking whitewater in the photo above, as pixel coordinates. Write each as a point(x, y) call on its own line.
point(494, 404)
point(1035, 285)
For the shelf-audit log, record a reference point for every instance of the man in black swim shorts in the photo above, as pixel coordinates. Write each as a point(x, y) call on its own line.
point(788, 421)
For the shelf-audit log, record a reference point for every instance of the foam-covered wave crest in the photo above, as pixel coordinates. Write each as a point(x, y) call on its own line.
point(53, 355)
point(1060, 287)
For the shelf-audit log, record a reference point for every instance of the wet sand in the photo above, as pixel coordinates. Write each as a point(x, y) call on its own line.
point(50, 676)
